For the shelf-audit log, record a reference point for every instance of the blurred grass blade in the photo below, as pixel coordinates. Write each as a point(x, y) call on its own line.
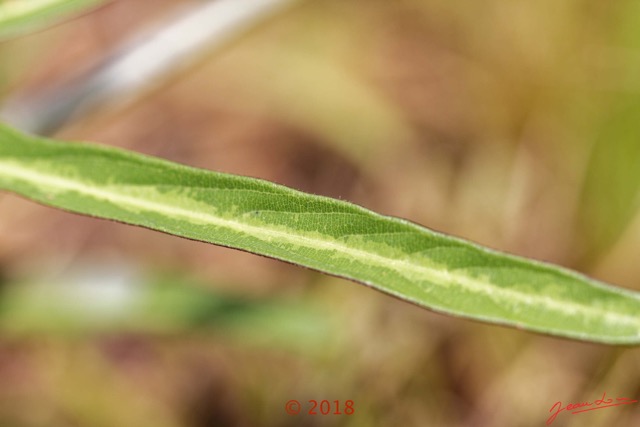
point(611, 194)
point(390, 254)
point(22, 16)
point(105, 301)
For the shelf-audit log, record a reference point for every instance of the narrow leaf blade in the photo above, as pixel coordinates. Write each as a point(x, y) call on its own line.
point(398, 257)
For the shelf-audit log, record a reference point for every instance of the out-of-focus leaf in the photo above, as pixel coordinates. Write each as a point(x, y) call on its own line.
point(22, 16)
point(611, 194)
point(395, 256)
point(95, 303)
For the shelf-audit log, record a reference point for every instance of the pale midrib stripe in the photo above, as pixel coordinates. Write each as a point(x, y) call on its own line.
point(438, 277)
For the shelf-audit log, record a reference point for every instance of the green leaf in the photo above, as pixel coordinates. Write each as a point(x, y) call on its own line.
point(395, 256)
point(22, 16)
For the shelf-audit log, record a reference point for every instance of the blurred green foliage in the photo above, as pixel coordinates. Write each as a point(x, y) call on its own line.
point(84, 305)
point(611, 195)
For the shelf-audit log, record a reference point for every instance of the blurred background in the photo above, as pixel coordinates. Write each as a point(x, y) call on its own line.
point(512, 124)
